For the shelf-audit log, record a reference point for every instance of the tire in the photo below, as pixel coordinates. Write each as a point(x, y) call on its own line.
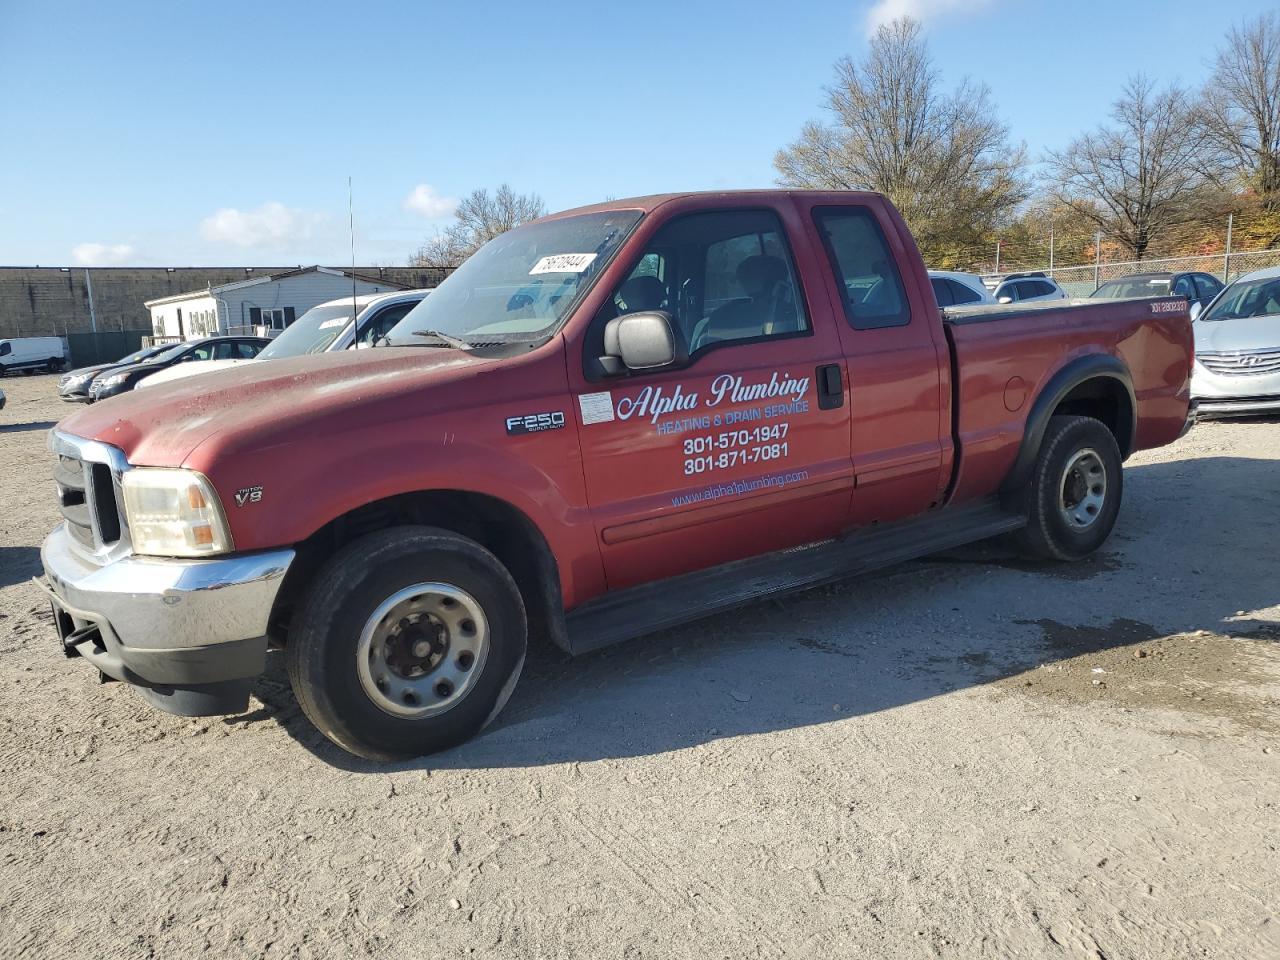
point(360, 668)
point(1073, 496)
point(4, 371)
point(55, 365)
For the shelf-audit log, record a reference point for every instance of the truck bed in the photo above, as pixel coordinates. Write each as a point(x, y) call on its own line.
point(1003, 356)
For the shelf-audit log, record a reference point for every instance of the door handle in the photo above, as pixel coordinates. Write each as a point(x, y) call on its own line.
point(830, 387)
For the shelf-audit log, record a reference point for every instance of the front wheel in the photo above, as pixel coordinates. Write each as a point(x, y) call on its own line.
point(1073, 497)
point(409, 641)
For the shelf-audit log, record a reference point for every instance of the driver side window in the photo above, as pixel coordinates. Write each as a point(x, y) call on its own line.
point(723, 277)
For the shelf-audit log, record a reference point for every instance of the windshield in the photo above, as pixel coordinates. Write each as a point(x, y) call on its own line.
point(170, 352)
point(1248, 298)
point(313, 332)
point(1133, 287)
point(518, 287)
point(139, 355)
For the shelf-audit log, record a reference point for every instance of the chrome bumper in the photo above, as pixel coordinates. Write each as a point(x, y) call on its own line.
point(164, 623)
point(1211, 407)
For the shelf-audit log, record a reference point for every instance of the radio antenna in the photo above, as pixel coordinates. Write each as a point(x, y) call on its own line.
point(351, 228)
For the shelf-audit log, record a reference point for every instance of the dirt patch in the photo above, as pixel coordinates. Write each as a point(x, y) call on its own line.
point(1131, 664)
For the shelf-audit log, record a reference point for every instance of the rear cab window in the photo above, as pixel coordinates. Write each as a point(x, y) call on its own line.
point(866, 273)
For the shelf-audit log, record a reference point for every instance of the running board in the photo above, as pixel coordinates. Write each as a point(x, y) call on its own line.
point(643, 609)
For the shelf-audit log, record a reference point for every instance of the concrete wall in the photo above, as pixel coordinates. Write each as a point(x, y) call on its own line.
point(54, 301)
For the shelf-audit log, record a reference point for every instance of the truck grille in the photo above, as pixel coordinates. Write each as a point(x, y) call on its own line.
point(1254, 364)
point(87, 500)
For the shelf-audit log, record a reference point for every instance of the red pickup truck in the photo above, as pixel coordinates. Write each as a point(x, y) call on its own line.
point(606, 422)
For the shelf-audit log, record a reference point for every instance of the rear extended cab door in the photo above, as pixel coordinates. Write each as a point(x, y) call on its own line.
point(745, 448)
point(890, 329)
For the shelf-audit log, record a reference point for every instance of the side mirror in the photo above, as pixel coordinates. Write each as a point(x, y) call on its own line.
point(1196, 309)
point(641, 341)
point(1005, 300)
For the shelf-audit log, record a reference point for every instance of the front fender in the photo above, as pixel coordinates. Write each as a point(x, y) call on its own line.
point(306, 485)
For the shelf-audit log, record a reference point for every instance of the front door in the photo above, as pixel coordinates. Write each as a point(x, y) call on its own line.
point(746, 448)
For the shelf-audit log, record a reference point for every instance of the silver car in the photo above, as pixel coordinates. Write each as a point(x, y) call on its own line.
point(1237, 368)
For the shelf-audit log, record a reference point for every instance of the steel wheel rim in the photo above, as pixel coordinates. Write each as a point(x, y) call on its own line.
point(422, 650)
point(1083, 490)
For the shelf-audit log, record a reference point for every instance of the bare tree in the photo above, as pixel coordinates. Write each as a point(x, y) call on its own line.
point(478, 218)
point(1240, 109)
point(1148, 172)
point(943, 159)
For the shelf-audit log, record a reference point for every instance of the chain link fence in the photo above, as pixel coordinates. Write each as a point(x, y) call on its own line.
point(1226, 248)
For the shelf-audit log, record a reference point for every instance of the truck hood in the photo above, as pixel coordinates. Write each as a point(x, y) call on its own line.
point(1244, 334)
point(180, 371)
point(263, 402)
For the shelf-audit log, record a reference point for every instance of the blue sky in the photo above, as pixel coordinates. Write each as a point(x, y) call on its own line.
point(214, 133)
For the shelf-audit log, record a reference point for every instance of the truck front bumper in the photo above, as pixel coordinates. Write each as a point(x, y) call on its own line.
point(190, 635)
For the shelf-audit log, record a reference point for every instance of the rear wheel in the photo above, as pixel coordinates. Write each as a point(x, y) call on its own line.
point(409, 641)
point(55, 365)
point(1073, 497)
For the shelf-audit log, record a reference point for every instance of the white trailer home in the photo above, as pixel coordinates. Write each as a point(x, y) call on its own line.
point(268, 303)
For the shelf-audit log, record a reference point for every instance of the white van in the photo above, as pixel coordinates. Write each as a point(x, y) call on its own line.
point(32, 353)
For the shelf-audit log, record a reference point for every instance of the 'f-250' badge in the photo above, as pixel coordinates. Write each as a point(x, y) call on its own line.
point(535, 422)
point(248, 495)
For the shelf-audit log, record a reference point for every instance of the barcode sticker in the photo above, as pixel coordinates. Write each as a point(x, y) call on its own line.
point(563, 263)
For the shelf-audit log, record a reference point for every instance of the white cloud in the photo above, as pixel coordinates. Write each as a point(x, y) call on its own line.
point(885, 11)
point(270, 225)
point(102, 254)
point(425, 200)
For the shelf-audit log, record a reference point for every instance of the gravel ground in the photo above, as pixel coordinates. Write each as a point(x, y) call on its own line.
point(965, 757)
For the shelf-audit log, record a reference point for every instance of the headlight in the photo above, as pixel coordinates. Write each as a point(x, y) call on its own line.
point(174, 513)
point(112, 381)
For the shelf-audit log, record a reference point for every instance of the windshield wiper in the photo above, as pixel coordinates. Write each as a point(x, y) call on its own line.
point(446, 338)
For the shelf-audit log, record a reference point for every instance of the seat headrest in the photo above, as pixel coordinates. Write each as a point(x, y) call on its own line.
point(642, 293)
point(763, 269)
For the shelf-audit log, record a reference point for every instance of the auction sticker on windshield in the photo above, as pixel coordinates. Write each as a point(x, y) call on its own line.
point(563, 263)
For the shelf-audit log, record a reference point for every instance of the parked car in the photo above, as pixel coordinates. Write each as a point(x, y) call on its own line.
point(958, 289)
point(1023, 287)
point(604, 423)
point(1198, 288)
point(123, 379)
point(31, 353)
point(326, 327)
point(1237, 368)
point(73, 386)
